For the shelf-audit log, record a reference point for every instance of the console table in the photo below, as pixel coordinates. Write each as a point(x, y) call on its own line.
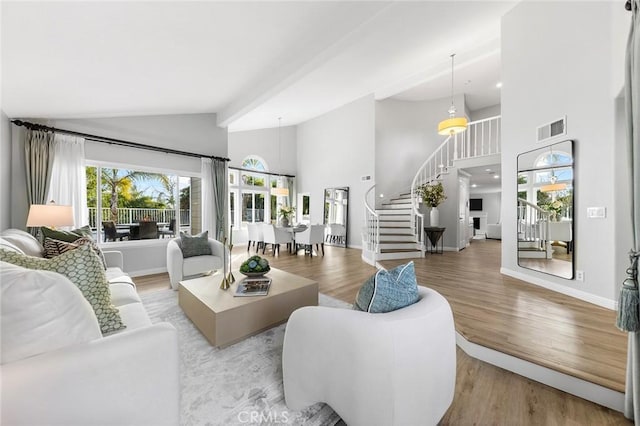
point(433, 235)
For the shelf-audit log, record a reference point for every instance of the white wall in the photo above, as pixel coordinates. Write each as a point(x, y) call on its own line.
point(482, 113)
point(552, 65)
point(196, 133)
point(5, 171)
point(491, 204)
point(406, 135)
point(335, 150)
point(279, 156)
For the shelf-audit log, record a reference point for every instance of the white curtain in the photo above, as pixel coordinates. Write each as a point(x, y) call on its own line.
point(68, 179)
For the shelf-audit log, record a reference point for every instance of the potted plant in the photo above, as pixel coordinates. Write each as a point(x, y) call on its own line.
point(432, 196)
point(286, 213)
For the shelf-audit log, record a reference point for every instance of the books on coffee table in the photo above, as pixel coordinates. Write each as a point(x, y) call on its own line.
point(253, 286)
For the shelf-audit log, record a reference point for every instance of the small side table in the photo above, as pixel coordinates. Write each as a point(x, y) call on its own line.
point(433, 235)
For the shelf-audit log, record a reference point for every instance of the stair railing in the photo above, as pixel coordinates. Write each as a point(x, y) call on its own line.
point(371, 231)
point(481, 138)
point(533, 226)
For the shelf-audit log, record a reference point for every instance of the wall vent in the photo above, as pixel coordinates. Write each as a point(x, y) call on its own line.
point(551, 130)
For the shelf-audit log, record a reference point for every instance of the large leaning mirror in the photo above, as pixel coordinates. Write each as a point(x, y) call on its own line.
point(336, 214)
point(545, 210)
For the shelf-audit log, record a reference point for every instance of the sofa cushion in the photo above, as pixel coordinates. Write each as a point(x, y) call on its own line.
point(68, 236)
point(115, 275)
point(199, 264)
point(42, 311)
point(85, 270)
point(134, 315)
point(387, 291)
point(27, 243)
point(123, 294)
point(195, 245)
point(53, 247)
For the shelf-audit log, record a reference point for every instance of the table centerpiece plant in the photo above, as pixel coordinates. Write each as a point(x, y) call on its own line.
point(432, 196)
point(286, 213)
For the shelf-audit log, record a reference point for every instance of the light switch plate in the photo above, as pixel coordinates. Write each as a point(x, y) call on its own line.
point(596, 212)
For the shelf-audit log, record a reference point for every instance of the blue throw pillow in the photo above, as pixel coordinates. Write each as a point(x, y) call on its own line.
point(387, 291)
point(195, 245)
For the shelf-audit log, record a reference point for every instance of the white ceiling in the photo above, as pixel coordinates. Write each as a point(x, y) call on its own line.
point(249, 62)
point(485, 178)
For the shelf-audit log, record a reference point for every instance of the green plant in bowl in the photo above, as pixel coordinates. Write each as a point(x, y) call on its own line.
point(255, 266)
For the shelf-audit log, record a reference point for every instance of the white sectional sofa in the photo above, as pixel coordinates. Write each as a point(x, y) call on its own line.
point(57, 368)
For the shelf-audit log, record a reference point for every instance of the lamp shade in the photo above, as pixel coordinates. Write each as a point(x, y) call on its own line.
point(50, 215)
point(280, 192)
point(452, 125)
point(553, 187)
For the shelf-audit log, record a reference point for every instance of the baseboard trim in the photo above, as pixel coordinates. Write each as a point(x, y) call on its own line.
point(147, 272)
point(578, 294)
point(561, 381)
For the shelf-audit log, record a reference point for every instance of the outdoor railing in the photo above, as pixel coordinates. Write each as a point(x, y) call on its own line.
point(134, 215)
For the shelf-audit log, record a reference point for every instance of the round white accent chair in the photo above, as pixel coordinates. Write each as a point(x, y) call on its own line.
point(395, 368)
point(181, 268)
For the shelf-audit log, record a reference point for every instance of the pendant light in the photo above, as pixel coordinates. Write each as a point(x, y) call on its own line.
point(279, 191)
point(453, 124)
point(553, 185)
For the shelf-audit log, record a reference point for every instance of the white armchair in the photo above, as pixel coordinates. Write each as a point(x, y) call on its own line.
point(397, 368)
point(180, 268)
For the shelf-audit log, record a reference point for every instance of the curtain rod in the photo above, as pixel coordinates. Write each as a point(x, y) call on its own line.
point(112, 141)
point(264, 173)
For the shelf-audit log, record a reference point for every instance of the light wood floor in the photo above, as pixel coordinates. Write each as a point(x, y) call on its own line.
point(494, 311)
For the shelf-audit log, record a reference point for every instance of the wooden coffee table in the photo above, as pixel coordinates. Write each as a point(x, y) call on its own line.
point(225, 319)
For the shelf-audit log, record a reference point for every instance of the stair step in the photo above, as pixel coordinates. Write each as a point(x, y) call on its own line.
point(395, 217)
point(398, 255)
point(398, 230)
point(388, 211)
point(400, 251)
point(395, 206)
point(397, 245)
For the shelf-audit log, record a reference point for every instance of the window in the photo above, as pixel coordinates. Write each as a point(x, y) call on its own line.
point(256, 163)
point(120, 200)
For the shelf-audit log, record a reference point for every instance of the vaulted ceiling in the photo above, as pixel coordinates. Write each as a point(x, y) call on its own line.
point(249, 62)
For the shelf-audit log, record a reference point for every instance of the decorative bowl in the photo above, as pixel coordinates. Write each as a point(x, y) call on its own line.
point(255, 266)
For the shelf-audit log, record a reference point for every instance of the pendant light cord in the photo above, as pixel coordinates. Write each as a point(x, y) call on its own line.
point(452, 59)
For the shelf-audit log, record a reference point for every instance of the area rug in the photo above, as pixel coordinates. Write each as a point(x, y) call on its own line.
point(238, 384)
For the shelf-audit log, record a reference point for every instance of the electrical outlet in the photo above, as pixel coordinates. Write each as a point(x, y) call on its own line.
point(579, 275)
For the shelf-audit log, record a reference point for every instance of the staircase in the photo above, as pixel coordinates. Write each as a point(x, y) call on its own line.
point(397, 239)
point(395, 230)
point(533, 231)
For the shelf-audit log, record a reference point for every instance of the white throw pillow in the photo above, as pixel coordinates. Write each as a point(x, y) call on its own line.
point(26, 242)
point(41, 311)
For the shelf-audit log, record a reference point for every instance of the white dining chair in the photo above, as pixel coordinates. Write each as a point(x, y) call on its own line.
point(256, 236)
point(314, 234)
point(275, 236)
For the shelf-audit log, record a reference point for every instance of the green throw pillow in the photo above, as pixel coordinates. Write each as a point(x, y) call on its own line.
point(68, 236)
point(388, 291)
point(84, 269)
point(195, 245)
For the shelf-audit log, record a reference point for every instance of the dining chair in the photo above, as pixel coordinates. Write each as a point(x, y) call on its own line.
point(275, 236)
point(314, 234)
point(255, 235)
point(111, 231)
point(170, 231)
